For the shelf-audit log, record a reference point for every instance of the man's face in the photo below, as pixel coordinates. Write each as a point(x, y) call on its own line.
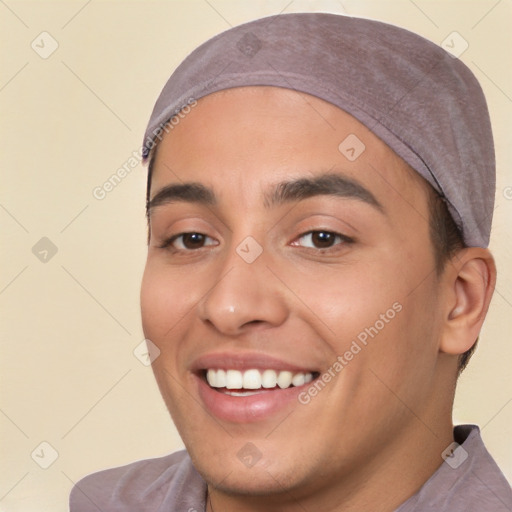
point(294, 282)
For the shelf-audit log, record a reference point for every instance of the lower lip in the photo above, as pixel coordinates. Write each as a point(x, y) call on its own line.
point(247, 409)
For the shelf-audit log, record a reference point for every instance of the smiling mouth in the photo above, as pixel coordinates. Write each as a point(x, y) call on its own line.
point(254, 381)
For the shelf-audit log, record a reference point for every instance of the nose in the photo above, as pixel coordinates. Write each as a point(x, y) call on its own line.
point(244, 296)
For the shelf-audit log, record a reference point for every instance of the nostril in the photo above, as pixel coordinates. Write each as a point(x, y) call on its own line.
point(252, 322)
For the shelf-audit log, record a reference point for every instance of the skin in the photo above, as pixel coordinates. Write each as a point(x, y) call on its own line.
point(375, 433)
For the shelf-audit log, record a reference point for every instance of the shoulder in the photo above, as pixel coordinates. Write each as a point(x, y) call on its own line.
point(468, 481)
point(478, 482)
point(166, 483)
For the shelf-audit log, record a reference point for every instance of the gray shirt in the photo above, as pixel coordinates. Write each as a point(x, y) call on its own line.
point(469, 481)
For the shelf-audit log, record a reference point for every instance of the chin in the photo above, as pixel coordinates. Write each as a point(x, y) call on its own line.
point(233, 479)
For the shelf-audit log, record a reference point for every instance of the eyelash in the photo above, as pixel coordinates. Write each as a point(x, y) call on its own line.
point(343, 238)
point(168, 243)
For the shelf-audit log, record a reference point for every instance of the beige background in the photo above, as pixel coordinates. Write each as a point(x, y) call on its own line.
point(69, 325)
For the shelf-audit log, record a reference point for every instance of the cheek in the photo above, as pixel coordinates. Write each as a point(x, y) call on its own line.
point(350, 299)
point(401, 351)
point(376, 314)
point(163, 306)
point(165, 300)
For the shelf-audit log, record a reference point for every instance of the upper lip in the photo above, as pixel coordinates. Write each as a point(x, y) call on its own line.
point(245, 361)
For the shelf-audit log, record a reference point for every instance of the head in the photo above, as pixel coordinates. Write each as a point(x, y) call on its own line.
point(317, 268)
point(342, 277)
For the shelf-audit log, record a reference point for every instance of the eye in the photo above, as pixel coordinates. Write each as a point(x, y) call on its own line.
point(321, 239)
point(188, 241)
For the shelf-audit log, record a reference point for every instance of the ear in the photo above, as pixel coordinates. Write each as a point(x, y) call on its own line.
point(469, 281)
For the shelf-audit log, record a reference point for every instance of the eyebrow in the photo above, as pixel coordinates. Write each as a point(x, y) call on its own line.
point(187, 192)
point(327, 184)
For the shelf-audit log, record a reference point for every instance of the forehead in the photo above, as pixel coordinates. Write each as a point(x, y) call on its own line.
point(267, 134)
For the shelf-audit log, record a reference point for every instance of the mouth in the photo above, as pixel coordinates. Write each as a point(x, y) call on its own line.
point(246, 388)
point(243, 383)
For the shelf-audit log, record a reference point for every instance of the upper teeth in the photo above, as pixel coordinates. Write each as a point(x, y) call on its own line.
point(256, 379)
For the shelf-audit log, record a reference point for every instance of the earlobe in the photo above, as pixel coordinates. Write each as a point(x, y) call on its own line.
point(471, 284)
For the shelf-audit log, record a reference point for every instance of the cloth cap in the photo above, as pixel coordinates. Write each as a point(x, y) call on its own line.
point(425, 104)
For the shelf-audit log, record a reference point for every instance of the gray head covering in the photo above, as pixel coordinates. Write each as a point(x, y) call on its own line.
point(423, 103)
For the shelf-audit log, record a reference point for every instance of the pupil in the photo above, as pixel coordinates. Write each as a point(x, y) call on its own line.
point(322, 238)
point(192, 240)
